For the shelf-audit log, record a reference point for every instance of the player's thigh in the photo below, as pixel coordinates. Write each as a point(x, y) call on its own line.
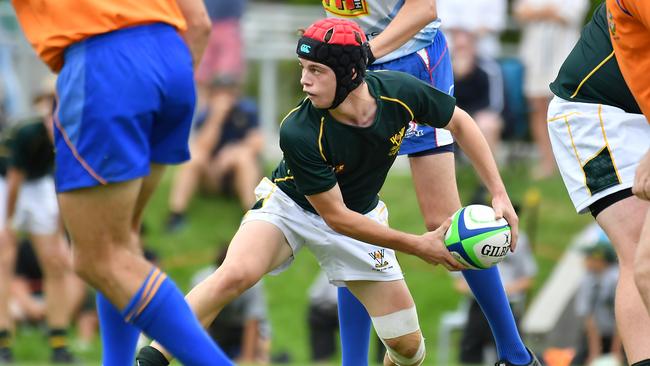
point(434, 178)
point(257, 248)
point(149, 185)
point(52, 251)
point(623, 222)
point(395, 296)
point(100, 218)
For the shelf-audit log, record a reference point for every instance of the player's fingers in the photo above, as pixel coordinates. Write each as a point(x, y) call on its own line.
point(514, 232)
point(498, 212)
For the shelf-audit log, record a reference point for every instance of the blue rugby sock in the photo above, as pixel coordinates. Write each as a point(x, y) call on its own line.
point(490, 295)
point(119, 339)
point(159, 309)
point(354, 325)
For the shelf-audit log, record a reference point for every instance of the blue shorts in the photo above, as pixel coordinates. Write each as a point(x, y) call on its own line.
point(125, 100)
point(433, 65)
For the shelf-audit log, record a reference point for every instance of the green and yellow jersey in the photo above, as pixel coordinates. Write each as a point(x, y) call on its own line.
point(320, 152)
point(28, 148)
point(590, 73)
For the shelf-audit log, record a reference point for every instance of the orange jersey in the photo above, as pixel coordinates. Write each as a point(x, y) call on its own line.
point(629, 28)
point(52, 25)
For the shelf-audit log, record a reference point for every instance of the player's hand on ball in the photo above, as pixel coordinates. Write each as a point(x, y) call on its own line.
point(641, 187)
point(433, 249)
point(503, 209)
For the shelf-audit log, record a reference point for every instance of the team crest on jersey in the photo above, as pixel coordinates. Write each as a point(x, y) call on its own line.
point(611, 24)
point(346, 8)
point(396, 140)
point(380, 262)
point(338, 168)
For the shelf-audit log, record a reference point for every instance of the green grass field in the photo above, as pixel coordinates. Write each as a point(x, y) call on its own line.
point(213, 221)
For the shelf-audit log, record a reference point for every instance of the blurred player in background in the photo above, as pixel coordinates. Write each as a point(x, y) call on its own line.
point(405, 36)
point(30, 207)
point(125, 102)
point(599, 136)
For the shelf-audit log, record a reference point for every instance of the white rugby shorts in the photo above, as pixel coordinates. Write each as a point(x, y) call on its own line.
point(341, 257)
point(37, 210)
point(597, 148)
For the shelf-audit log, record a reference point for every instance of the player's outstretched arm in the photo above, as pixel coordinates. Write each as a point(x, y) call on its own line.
point(473, 143)
point(410, 19)
point(198, 27)
point(429, 247)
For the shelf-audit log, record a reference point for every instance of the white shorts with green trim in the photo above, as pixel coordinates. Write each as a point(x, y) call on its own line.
point(341, 257)
point(597, 148)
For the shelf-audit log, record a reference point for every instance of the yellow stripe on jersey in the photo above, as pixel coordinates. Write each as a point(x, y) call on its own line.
point(591, 73)
point(320, 139)
point(283, 179)
point(400, 102)
point(291, 111)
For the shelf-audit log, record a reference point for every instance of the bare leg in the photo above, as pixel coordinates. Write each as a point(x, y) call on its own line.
point(395, 297)
point(622, 222)
point(641, 264)
point(539, 130)
point(55, 259)
point(7, 263)
point(239, 271)
point(434, 177)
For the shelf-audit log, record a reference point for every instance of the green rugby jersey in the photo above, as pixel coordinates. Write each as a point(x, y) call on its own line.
point(590, 73)
point(30, 149)
point(320, 151)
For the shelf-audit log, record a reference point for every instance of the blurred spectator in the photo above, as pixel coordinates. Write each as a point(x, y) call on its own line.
point(518, 271)
point(225, 155)
point(323, 319)
point(222, 60)
point(594, 304)
point(30, 207)
point(550, 29)
point(27, 303)
point(485, 18)
point(242, 328)
point(478, 86)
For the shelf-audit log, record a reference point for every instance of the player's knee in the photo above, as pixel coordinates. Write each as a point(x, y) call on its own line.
point(642, 274)
point(400, 333)
point(233, 280)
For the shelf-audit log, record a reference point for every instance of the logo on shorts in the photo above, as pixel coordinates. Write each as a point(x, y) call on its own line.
point(346, 8)
point(378, 256)
point(396, 140)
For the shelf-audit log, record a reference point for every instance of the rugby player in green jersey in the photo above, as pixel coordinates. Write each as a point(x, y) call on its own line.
point(339, 144)
point(599, 136)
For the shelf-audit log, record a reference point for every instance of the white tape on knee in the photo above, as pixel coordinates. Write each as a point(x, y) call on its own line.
point(396, 324)
point(400, 360)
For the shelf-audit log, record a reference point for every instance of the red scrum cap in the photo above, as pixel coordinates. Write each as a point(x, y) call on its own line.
point(341, 45)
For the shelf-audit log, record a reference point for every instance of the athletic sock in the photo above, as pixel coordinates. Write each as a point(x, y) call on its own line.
point(645, 362)
point(489, 293)
point(119, 338)
point(58, 338)
point(159, 309)
point(354, 326)
point(5, 346)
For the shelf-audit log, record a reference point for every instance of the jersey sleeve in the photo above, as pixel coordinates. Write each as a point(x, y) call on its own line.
point(310, 171)
point(429, 105)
